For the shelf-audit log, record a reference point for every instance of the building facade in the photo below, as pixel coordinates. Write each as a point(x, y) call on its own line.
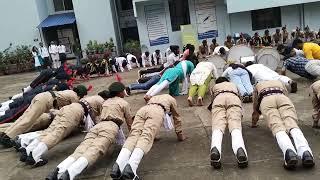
point(155, 23)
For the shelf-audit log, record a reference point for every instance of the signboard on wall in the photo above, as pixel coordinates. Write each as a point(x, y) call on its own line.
point(189, 35)
point(206, 19)
point(156, 24)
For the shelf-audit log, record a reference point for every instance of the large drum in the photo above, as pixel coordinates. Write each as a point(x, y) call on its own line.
point(219, 62)
point(239, 51)
point(269, 57)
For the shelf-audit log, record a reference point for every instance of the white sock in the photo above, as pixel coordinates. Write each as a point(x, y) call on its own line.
point(27, 89)
point(32, 145)
point(64, 165)
point(135, 159)
point(39, 151)
point(284, 142)
point(237, 141)
point(300, 141)
point(17, 96)
point(159, 88)
point(6, 103)
point(2, 113)
point(123, 158)
point(77, 167)
point(4, 108)
point(216, 139)
point(27, 138)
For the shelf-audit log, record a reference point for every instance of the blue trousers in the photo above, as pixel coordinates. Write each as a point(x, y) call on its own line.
point(147, 85)
point(241, 78)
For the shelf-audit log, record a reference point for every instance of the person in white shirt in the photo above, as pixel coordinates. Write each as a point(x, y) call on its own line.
point(157, 57)
point(132, 60)
point(122, 63)
point(44, 53)
point(62, 53)
point(261, 72)
point(146, 59)
point(173, 57)
point(54, 52)
point(35, 54)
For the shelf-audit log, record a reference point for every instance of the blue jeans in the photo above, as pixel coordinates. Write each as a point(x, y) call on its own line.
point(147, 85)
point(241, 78)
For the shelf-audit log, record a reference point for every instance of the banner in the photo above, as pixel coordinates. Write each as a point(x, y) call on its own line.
point(206, 19)
point(156, 24)
point(189, 35)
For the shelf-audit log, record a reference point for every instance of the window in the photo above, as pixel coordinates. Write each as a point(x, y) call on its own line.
point(179, 13)
point(126, 4)
point(266, 18)
point(62, 5)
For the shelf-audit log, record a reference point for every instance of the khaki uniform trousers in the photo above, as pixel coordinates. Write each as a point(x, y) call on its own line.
point(40, 104)
point(145, 127)
point(67, 120)
point(316, 106)
point(42, 122)
point(279, 112)
point(226, 110)
point(97, 141)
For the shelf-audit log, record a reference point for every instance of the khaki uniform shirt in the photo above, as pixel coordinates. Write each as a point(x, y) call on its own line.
point(117, 108)
point(95, 103)
point(66, 97)
point(170, 104)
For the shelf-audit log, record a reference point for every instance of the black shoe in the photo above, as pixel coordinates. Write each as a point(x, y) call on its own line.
point(53, 175)
point(307, 160)
point(291, 160)
point(6, 141)
point(215, 158)
point(65, 176)
point(128, 174)
point(16, 143)
point(115, 172)
point(23, 156)
point(128, 90)
point(242, 158)
point(30, 160)
point(41, 162)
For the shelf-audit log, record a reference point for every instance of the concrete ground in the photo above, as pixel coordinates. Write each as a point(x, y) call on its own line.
point(172, 160)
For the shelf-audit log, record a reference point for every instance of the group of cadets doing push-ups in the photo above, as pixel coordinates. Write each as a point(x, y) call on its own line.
point(53, 115)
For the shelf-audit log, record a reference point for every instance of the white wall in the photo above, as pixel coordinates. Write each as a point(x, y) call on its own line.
point(175, 37)
point(312, 15)
point(241, 22)
point(94, 21)
point(19, 21)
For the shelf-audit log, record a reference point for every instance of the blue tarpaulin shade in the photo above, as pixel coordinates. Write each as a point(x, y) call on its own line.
point(58, 20)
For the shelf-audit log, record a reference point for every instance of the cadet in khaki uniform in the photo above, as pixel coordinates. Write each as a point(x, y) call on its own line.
point(226, 111)
point(40, 104)
point(146, 125)
point(270, 99)
point(68, 119)
point(43, 122)
point(115, 112)
point(315, 87)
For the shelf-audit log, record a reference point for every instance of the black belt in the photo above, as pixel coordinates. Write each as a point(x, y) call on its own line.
point(162, 106)
point(118, 122)
point(55, 102)
point(85, 108)
point(225, 91)
point(267, 93)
